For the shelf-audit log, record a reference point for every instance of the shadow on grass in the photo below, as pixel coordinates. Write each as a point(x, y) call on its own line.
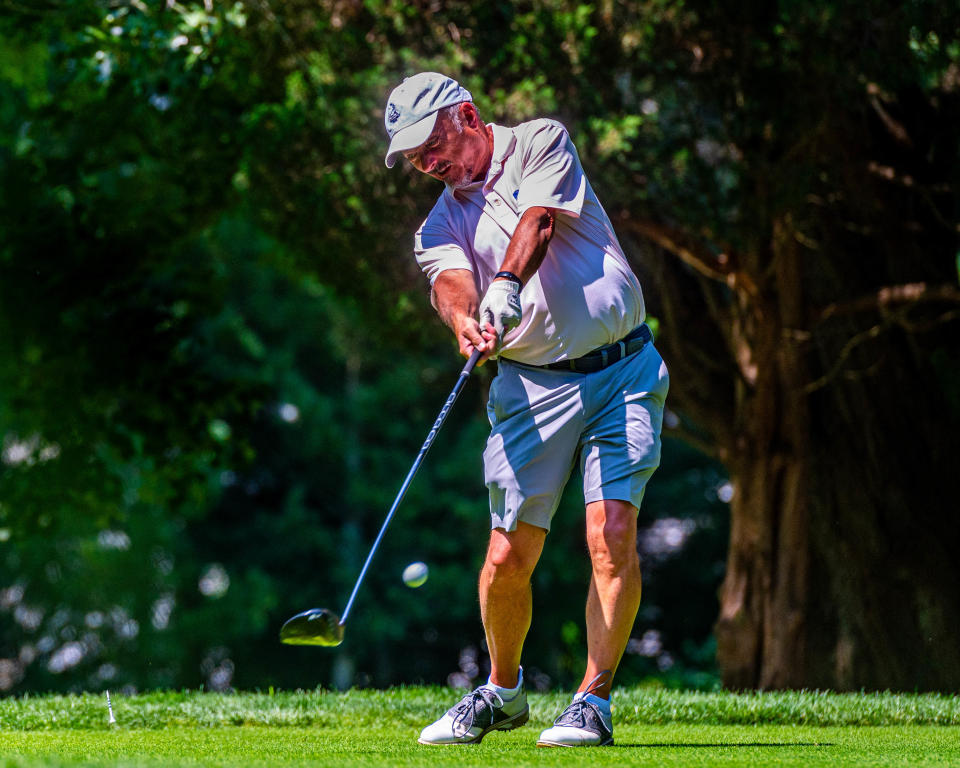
point(680, 745)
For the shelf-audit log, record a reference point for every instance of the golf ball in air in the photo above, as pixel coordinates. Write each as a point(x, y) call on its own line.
point(415, 574)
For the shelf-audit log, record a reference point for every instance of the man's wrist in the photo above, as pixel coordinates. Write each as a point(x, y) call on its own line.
point(509, 276)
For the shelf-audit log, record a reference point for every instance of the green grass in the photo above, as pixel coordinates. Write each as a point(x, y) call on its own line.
point(379, 728)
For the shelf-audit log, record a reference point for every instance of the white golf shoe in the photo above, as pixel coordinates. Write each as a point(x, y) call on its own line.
point(584, 723)
point(475, 715)
point(581, 724)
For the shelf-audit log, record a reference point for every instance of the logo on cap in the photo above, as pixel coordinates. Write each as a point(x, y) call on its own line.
point(393, 114)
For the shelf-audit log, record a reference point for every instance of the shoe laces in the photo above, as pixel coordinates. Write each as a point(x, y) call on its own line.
point(479, 702)
point(576, 713)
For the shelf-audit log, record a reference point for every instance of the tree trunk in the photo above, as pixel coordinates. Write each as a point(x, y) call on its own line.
point(841, 440)
point(760, 632)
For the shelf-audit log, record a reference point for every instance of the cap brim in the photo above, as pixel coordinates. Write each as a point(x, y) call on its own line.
point(410, 137)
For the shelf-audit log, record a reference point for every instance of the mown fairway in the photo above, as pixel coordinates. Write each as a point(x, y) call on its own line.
point(379, 728)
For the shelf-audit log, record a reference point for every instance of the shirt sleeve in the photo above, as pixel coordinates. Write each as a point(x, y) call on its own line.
point(437, 248)
point(552, 176)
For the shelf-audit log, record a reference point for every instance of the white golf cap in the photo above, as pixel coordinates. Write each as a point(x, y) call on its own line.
point(412, 110)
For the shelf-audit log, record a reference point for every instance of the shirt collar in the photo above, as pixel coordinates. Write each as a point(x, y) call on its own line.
point(504, 143)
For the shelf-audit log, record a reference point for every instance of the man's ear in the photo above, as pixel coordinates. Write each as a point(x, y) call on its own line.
point(469, 114)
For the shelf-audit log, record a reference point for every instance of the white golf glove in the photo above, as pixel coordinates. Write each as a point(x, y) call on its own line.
point(501, 307)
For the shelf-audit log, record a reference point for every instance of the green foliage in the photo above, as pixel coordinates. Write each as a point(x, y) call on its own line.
point(217, 359)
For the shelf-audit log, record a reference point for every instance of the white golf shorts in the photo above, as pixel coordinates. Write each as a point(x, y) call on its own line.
point(542, 421)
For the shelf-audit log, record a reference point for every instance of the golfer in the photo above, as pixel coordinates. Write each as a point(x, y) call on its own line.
point(525, 267)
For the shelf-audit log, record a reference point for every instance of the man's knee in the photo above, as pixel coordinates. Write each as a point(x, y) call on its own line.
point(612, 534)
point(513, 555)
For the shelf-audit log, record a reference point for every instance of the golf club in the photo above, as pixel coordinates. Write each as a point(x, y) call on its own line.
point(320, 626)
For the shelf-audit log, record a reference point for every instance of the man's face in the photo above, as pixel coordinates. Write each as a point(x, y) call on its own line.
point(455, 157)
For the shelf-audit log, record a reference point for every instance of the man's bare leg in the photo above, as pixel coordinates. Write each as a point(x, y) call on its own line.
point(506, 606)
point(614, 596)
point(506, 600)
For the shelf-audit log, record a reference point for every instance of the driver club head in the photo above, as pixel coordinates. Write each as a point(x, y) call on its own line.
point(317, 626)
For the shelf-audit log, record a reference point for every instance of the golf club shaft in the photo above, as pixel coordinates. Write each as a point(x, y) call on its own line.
point(464, 375)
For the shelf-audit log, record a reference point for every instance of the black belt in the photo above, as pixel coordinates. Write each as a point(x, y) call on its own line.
point(601, 357)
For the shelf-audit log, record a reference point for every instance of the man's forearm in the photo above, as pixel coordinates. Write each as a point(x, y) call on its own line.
point(455, 297)
point(529, 243)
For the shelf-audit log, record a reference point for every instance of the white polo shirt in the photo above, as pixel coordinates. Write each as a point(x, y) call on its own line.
point(584, 294)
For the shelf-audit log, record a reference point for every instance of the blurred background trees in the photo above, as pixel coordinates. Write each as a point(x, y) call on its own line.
point(218, 359)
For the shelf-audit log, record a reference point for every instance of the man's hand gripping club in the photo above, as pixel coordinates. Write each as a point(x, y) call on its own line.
point(501, 308)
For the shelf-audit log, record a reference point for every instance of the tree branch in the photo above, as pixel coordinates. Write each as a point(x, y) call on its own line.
point(890, 317)
point(716, 267)
point(894, 127)
point(889, 297)
point(847, 350)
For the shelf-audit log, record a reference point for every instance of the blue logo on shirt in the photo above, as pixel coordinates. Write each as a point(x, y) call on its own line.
point(515, 193)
